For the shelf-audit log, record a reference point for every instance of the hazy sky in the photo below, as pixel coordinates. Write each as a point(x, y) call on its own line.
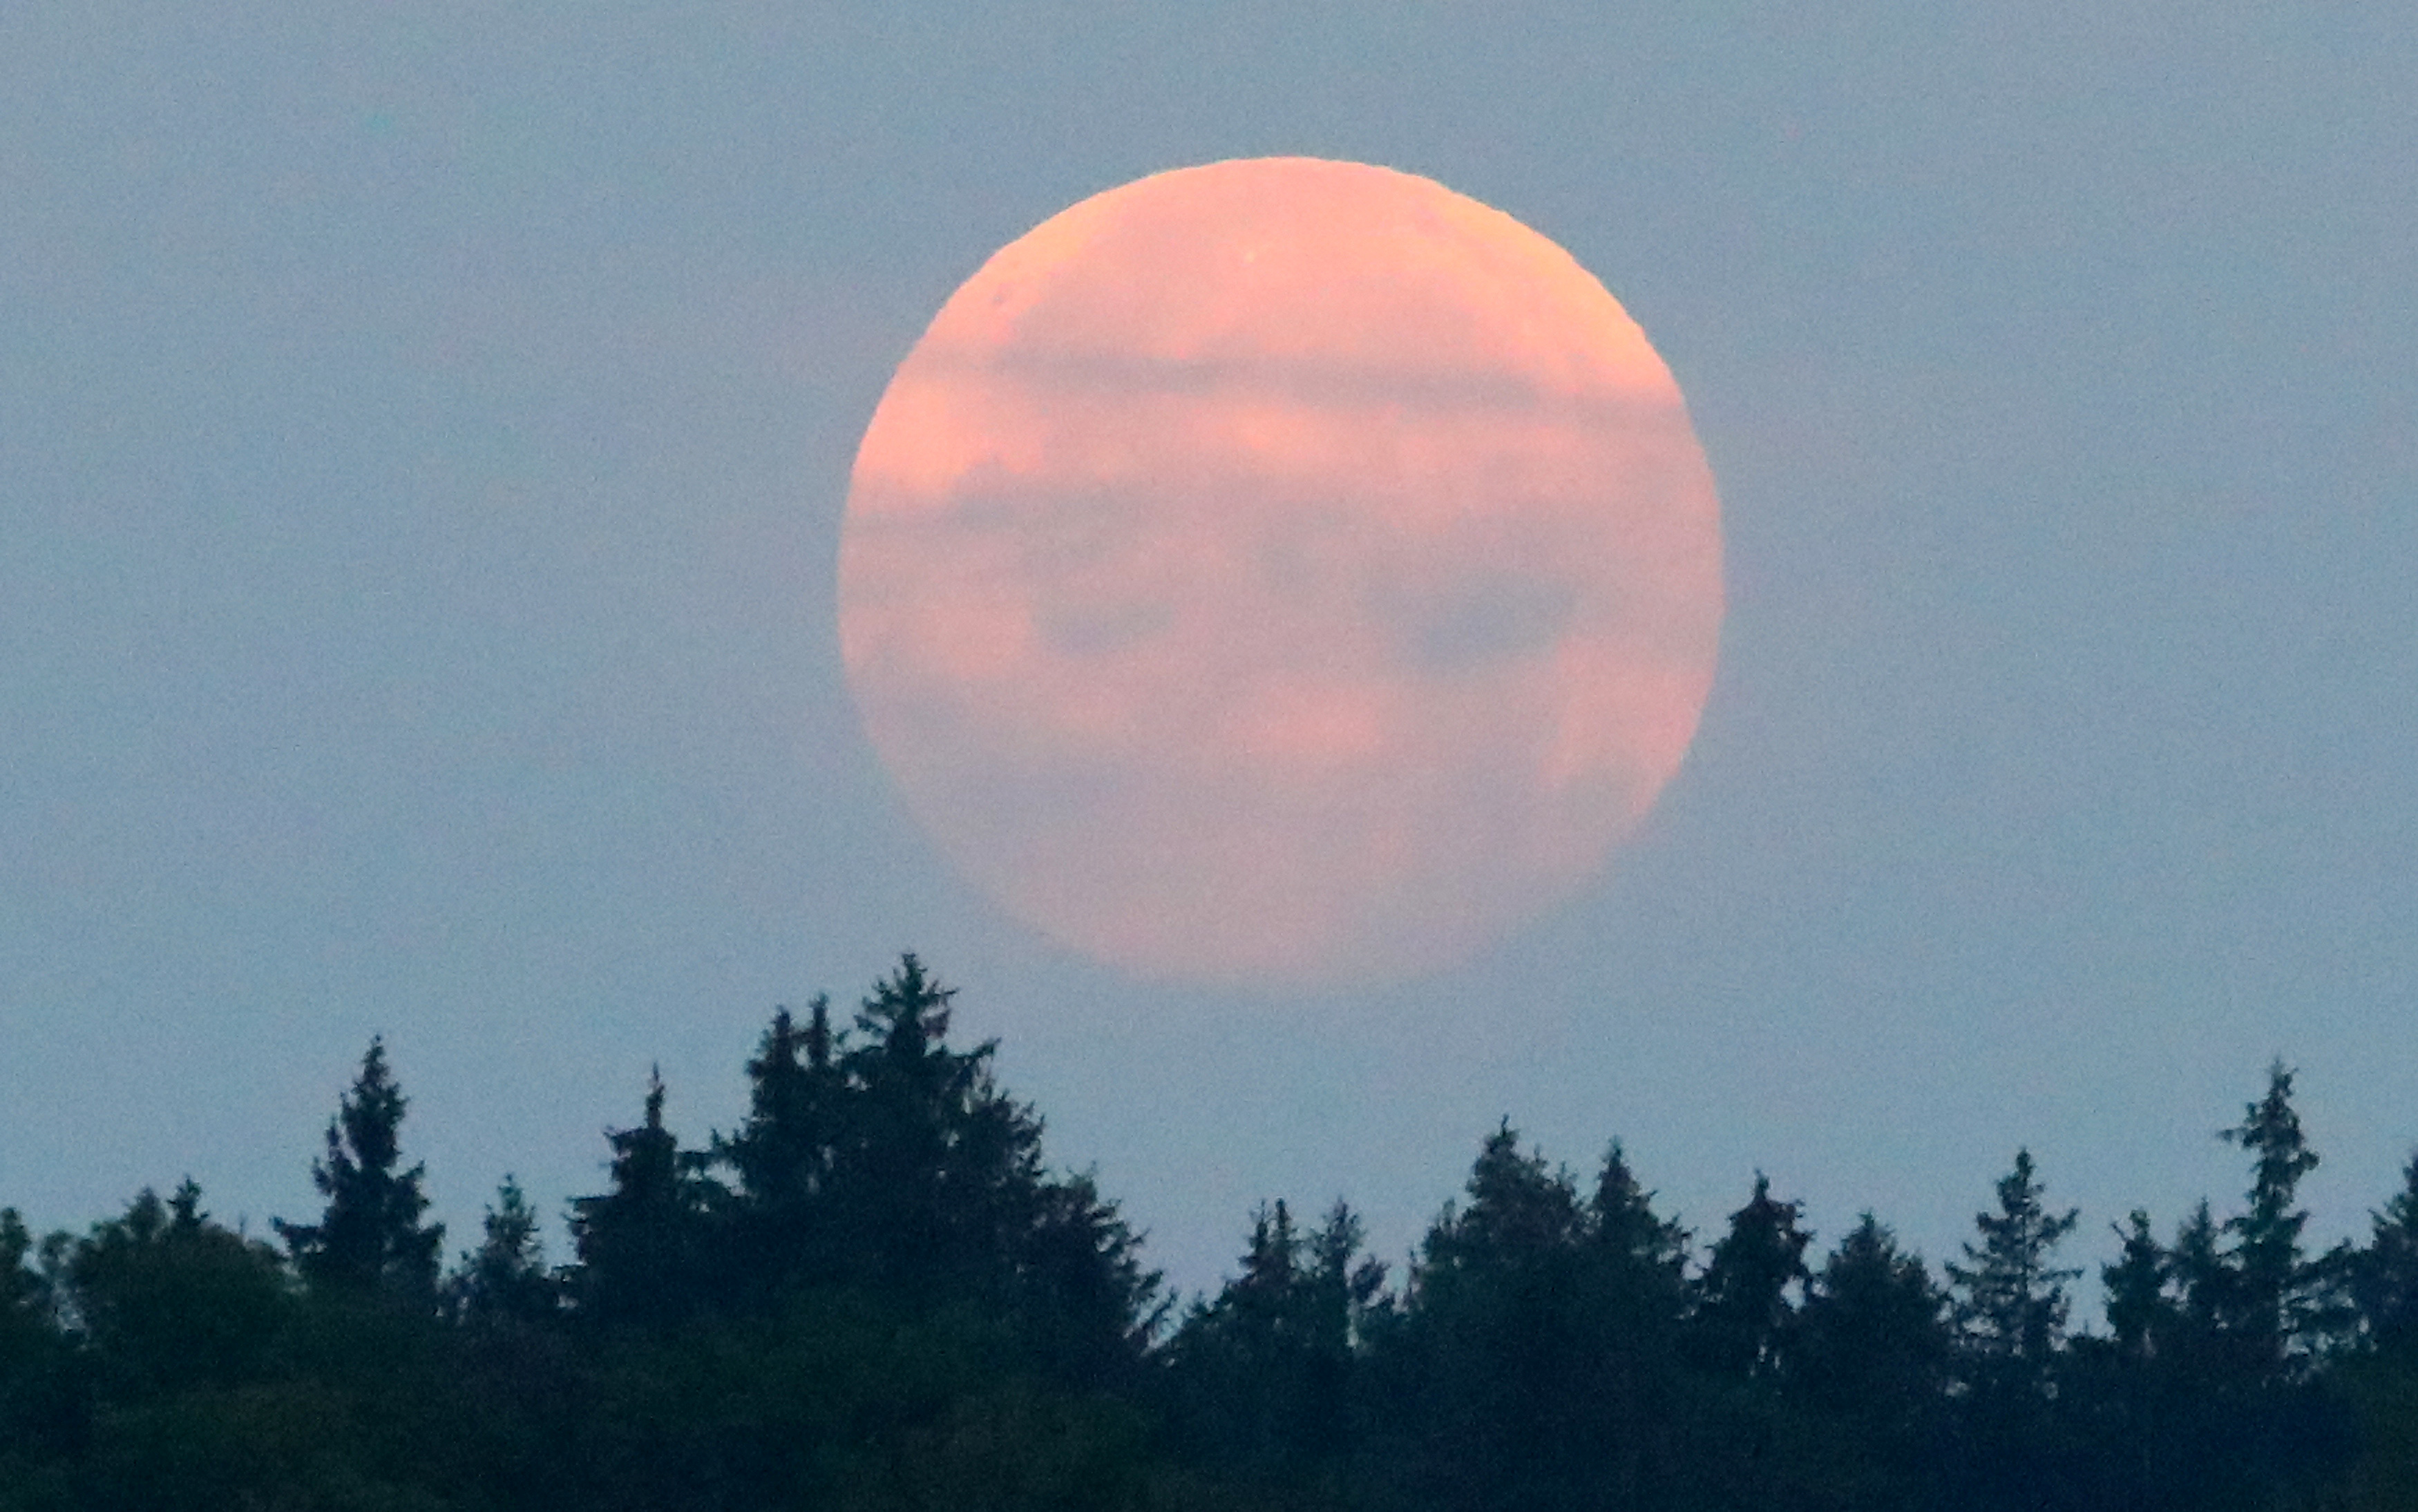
point(423, 432)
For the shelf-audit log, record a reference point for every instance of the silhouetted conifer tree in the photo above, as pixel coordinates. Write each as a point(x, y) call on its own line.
point(1236, 1357)
point(641, 1243)
point(1745, 1299)
point(1532, 1363)
point(1347, 1287)
point(2135, 1286)
point(2385, 1274)
point(1870, 1362)
point(1344, 1288)
point(1623, 1226)
point(2202, 1288)
point(1872, 1339)
point(169, 1300)
point(782, 1222)
point(939, 1193)
point(370, 1238)
point(1264, 1370)
point(23, 1298)
point(41, 1414)
point(934, 1154)
point(2011, 1304)
point(1636, 1273)
point(1519, 1212)
point(2124, 1383)
point(2282, 1307)
point(2383, 1381)
point(505, 1280)
point(1080, 1282)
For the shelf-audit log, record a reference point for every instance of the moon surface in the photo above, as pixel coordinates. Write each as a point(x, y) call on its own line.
point(1280, 572)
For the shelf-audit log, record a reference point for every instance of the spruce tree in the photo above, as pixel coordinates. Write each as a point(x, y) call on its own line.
point(781, 1214)
point(2202, 1284)
point(370, 1239)
point(23, 1295)
point(1872, 1339)
point(939, 1193)
point(1236, 1358)
point(1744, 1307)
point(2280, 1310)
point(1520, 1212)
point(166, 1298)
point(1622, 1224)
point(1344, 1285)
point(30, 1342)
point(1494, 1362)
point(641, 1245)
point(2011, 1304)
point(2270, 1313)
point(2135, 1286)
point(1635, 1276)
point(2385, 1274)
point(890, 1165)
point(935, 1156)
point(1078, 1282)
point(1262, 1373)
point(505, 1280)
point(2123, 1383)
point(37, 1409)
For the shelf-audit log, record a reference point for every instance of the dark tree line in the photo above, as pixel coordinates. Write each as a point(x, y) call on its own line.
point(876, 1293)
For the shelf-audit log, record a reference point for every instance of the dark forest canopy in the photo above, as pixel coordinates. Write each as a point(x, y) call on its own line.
point(877, 1293)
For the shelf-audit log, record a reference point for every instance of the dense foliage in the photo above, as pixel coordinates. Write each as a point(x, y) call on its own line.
point(875, 1293)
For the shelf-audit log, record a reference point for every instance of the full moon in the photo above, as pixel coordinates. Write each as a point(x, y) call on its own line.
point(1280, 572)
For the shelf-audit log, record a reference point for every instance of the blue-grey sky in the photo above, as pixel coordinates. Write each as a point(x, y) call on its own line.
point(423, 433)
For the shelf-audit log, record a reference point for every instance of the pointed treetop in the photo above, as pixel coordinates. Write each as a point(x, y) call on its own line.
point(370, 1237)
point(505, 1280)
point(2136, 1284)
point(908, 1010)
point(818, 1032)
point(1743, 1310)
point(778, 1052)
point(1622, 1218)
point(185, 1214)
point(2011, 1302)
point(1519, 1207)
point(2270, 1130)
point(2282, 1301)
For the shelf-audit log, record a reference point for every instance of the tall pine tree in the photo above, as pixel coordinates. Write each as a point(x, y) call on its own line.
point(1746, 1297)
point(1493, 1370)
point(1872, 1339)
point(40, 1413)
point(2135, 1286)
point(2011, 1303)
point(2385, 1275)
point(2281, 1312)
point(370, 1238)
point(505, 1281)
point(1635, 1270)
point(642, 1244)
point(781, 1216)
point(934, 1160)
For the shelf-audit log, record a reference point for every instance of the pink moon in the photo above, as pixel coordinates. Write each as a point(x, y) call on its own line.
point(1280, 572)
